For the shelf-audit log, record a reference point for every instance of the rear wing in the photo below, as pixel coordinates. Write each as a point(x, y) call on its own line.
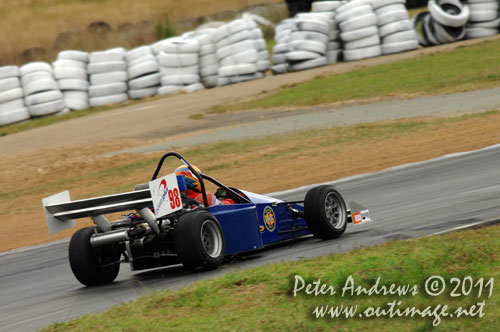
point(61, 212)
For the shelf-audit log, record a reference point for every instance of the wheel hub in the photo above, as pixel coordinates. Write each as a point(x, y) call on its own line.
point(211, 238)
point(333, 211)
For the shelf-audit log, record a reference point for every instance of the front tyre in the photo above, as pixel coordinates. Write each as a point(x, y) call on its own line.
point(199, 241)
point(92, 266)
point(325, 212)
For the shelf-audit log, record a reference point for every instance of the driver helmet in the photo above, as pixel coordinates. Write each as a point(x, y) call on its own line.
point(190, 179)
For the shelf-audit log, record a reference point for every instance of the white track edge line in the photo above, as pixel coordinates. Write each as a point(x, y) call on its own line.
point(487, 221)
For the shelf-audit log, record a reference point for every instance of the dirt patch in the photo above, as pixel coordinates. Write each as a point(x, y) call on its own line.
point(26, 178)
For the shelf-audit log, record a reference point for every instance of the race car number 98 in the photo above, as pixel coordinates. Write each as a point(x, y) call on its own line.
point(165, 195)
point(175, 200)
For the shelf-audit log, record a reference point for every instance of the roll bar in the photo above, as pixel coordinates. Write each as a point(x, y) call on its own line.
point(188, 165)
point(198, 175)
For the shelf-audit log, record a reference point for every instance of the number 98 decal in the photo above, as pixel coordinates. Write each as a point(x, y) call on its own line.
point(175, 200)
point(165, 195)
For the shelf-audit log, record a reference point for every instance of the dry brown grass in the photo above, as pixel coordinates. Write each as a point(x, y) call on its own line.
point(47, 26)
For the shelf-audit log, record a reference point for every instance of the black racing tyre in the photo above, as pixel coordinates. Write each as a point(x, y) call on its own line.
point(199, 241)
point(92, 266)
point(325, 212)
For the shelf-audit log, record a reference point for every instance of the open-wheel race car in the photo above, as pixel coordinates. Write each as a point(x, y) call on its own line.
point(167, 227)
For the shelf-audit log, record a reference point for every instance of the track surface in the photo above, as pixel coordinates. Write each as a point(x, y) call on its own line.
point(38, 288)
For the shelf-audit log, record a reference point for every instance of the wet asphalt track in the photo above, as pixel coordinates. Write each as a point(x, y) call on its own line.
point(38, 288)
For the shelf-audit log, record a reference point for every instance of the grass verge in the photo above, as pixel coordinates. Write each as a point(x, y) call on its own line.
point(463, 69)
point(262, 298)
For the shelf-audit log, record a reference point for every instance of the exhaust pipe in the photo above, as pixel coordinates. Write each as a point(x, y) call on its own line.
point(103, 239)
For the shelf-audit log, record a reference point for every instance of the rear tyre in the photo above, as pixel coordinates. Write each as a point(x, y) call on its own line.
point(92, 266)
point(326, 212)
point(199, 241)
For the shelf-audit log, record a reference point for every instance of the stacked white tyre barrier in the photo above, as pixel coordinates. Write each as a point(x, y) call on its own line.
point(334, 46)
point(108, 77)
point(237, 51)
point(483, 20)
point(143, 72)
point(70, 71)
point(358, 25)
point(282, 35)
point(157, 47)
point(253, 32)
point(12, 108)
point(209, 64)
point(263, 63)
point(308, 41)
point(394, 26)
point(444, 23)
point(179, 66)
point(42, 95)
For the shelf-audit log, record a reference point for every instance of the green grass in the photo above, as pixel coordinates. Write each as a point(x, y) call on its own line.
point(261, 299)
point(164, 29)
point(463, 69)
point(269, 45)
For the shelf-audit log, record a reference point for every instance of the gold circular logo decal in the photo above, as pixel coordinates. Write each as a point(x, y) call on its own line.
point(269, 219)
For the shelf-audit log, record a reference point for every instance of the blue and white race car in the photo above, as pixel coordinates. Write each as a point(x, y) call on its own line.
point(167, 227)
